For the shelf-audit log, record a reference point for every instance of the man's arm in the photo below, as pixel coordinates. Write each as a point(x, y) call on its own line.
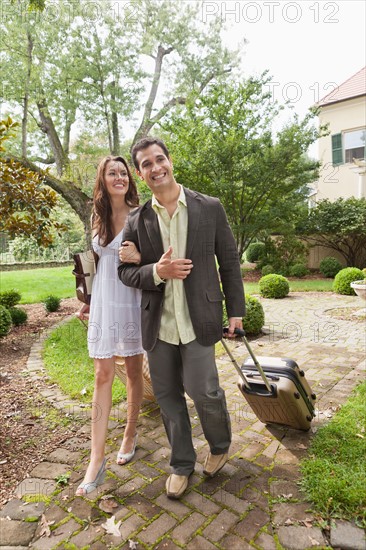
point(229, 268)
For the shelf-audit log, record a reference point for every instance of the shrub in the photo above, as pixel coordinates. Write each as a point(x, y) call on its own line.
point(268, 269)
point(18, 315)
point(5, 321)
point(254, 252)
point(10, 298)
point(52, 303)
point(364, 272)
point(254, 318)
point(274, 286)
point(330, 266)
point(344, 278)
point(299, 270)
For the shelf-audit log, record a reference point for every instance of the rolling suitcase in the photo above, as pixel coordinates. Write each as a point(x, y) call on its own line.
point(275, 388)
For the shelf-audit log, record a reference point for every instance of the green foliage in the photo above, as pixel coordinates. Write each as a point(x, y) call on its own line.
point(52, 303)
point(5, 321)
point(364, 272)
point(268, 269)
point(344, 278)
point(339, 225)
point(283, 252)
point(25, 203)
point(274, 286)
point(334, 475)
point(298, 270)
point(10, 298)
point(330, 266)
point(255, 252)
point(223, 142)
point(253, 320)
point(67, 363)
point(18, 315)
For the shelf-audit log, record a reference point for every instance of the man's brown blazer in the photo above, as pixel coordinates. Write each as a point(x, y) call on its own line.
point(209, 238)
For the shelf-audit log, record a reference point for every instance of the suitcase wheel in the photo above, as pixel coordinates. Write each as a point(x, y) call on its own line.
point(313, 396)
point(301, 372)
point(309, 418)
point(297, 395)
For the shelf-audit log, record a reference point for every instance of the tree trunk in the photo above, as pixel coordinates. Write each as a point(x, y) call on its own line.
point(145, 124)
point(116, 146)
point(26, 95)
point(48, 128)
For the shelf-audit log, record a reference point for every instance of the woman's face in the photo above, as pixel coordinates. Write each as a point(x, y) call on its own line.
point(116, 178)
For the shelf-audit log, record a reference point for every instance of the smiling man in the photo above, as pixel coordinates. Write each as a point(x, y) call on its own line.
point(180, 234)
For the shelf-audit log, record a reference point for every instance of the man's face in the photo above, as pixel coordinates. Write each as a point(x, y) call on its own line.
point(155, 168)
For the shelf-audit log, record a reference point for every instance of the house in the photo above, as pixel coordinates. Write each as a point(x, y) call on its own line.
point(342, 152)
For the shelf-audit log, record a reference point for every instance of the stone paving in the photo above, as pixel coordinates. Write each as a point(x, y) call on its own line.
point(253, 503)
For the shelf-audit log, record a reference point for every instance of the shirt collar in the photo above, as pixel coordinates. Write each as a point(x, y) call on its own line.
point(181, 199)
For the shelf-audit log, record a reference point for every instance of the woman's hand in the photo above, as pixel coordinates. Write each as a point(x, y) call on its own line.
point(128, 253)
point(83, 312)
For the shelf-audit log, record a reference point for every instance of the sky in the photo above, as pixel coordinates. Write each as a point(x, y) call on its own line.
point(309, 47)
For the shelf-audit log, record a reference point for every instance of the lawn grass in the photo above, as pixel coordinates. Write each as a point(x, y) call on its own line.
point(334, 474)
point(298, 285)
point(68, 364)
point(36, 284)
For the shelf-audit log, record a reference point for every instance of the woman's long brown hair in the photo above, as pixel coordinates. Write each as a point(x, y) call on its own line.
point(102, 210)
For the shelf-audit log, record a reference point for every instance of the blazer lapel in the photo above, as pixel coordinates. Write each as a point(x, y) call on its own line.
point(194, 213)
point(152, 227)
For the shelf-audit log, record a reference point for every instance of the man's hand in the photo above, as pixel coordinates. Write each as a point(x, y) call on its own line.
point(234, 322)
point(167, 268)
point(128, 253)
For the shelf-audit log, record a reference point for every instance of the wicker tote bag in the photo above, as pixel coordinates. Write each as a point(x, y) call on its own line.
point(121, 373)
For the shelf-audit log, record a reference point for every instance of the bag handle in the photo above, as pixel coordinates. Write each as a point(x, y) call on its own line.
point(241, 332)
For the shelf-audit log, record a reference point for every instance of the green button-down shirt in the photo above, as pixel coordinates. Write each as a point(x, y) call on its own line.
point(176, 325)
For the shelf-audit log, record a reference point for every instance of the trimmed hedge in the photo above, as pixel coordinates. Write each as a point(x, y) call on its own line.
point(274, 286)
point(52, 303)
point(255, 252)
point(298, 270)
point(254, 318)
point(10, 298)
point(18, 316)
point(344, 278)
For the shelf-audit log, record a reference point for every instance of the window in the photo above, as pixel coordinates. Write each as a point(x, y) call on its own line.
point(354, 145)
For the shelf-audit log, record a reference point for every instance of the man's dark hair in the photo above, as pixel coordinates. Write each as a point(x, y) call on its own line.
point(144, 143)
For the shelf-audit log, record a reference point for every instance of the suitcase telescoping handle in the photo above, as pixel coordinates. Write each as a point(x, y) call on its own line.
point(241, 333)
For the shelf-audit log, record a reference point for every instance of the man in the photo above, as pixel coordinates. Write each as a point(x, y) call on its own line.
point(180, 233)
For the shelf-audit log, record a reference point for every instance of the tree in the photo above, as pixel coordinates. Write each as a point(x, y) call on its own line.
point(340, 226)
point(25, 203)
point(222, 144)
point(69, 67)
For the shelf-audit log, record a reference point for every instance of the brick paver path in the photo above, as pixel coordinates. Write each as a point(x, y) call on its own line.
point(253, 503)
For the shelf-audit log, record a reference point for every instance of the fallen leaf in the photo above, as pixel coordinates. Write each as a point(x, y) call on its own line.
point(314, 542)
point(45, 529)
point(357, 435)
point(111, 527)
point(287, 496)
point(289, 522)
point(132, 544)
point(108, 505)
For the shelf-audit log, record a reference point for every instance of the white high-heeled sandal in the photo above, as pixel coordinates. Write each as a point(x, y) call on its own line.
point(92, 485)
point(127, 456)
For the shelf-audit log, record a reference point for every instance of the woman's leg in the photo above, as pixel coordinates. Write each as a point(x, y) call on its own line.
point(101, 406)
point(135, 388)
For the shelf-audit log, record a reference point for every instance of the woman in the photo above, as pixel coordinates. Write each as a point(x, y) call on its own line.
point(114, 320)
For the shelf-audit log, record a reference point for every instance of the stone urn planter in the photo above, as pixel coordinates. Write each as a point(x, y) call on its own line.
point(360, 288)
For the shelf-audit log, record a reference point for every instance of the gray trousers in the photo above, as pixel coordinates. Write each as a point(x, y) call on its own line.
point(189, 367)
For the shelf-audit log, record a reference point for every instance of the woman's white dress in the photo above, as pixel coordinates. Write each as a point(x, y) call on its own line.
point(115, 315)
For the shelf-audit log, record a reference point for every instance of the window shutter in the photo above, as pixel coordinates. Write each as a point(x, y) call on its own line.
point(337, 153)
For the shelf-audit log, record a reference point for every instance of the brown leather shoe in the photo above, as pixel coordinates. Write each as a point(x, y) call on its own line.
point(214, 463)
point(176, 485)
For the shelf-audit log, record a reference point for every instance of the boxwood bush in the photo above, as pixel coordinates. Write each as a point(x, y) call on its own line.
point(274, 286)
point(52, 303)
point(298, 270)
point(254, 318)
point(5, 321)
point(330, 266)
point(255, 252)
point(18, 315)
point(10, 298)
point(344, 278)
point(268, 269)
